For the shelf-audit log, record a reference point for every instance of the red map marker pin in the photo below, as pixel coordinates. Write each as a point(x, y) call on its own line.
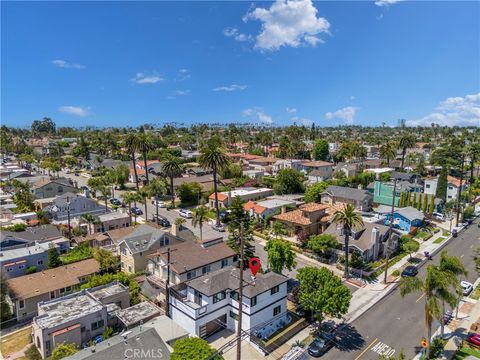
point(254, 265)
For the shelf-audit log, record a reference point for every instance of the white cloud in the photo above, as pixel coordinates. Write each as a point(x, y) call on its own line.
point(237, 35)
point(182, 92)
point(386, 2)
point(291, 110)
point(302, 121)
point(288, 23)
point(454, 111)
point(347, 114)
point(258, 115)
point(230, 88)
point(142, 78)
point(183, 74)
point(75, 110)
point(66, 65)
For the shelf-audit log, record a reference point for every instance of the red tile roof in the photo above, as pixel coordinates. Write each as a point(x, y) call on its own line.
point(221, 197)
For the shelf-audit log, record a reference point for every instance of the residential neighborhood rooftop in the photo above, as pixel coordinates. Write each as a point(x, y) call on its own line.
point(139, 313)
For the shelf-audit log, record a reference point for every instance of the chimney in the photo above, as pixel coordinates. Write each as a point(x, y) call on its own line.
point(375, 238)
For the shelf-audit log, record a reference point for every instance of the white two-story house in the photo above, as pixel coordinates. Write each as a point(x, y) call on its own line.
point(209, 303)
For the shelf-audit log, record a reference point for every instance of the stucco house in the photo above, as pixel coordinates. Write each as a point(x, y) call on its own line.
point(453, 186)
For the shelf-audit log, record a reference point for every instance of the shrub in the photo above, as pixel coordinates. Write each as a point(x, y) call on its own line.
point(107, 333)
point(396, 273)
point(32, 353)
point(31, 269)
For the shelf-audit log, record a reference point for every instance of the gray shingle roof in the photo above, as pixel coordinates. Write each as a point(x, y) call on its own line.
point(348, 193)
point(228, 278)
point(410, 213)
point(35, 233)
point(143, 238)
point(363, 239)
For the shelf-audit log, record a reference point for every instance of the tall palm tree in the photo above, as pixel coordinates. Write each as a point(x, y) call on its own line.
point(213, 157)
point(199, 217)
point(157, 188)
point(131, 143)
point(406, 141)
point(171, 167)
point(89, 219)
point(388, 151)
point(144, 193)
point(434, 288)
point(349, 219)
point(128, 198)
point(145, 144)
point(106, 192)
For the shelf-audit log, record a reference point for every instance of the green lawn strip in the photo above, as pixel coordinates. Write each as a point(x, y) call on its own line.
point(439, 240)
point(466, 351)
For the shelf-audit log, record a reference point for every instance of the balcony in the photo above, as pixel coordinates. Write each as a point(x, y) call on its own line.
point(179, 298)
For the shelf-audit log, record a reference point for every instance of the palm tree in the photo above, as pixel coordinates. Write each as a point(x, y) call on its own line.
point(434, 288)
point(199, 217)
point(406, 141)
point(388, 151)
point(89, 219)
point(131, 143)
point(144, 193)
point(349, 219)
point(129, 197)
point(145, 144)
point(213, 157)
point(157, 187)
point(171, 167)
point(106, 192)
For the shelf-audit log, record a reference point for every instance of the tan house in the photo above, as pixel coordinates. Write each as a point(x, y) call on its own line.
point(112, 221)
point(311, 218)
point(25, 292)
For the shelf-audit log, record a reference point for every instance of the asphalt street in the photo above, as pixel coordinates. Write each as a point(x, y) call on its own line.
point(396, 324)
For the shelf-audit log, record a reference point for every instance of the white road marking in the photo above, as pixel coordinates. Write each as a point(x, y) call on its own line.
point(420, 298)
point(383, 349)
point(461, 256)
point(366, 349)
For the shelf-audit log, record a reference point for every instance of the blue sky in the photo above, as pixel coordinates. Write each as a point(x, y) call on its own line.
point(332, 63)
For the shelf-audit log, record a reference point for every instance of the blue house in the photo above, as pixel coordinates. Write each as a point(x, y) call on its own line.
point(406, 218)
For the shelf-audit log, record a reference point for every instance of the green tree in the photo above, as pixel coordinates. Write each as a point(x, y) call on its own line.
point(107, 261)
point(425, 203)
point(193, 348)
point(321, 244)
point(323, 293)
point(414, 200)
point(64, 350)
point(121, 173)
point(131, 143)
point(406, 141)
point(90, 220)
point(130, 197)
point(442, 184)
point(157, 188)
point(189, 193)
point(320, 150)
point(145, 145)
point(388, 151)
point(53, 257)
point(431, 206)
point(5, 310)
point(171, 167)
point(32, 353)
point(402, 199)
point(420, 201)
point(280, 255)
point(214, 157)
point(44, 126)
point(314, 192)
point(410, 247)
point(238, 217)
point(199, 217)
point(349, 219)
point(288, 181)
point(278, 229)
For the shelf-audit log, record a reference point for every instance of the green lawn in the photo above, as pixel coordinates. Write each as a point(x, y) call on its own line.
point(466, 351)
point(423, 235)
point(15, 342)
point(439, 240)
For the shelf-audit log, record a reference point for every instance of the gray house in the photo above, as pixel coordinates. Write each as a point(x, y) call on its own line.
point(361, 199)
point(79, 205)
point(42, 233)
point(47, 188)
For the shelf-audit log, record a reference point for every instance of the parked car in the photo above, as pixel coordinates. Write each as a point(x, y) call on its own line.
point(409, 271)
point(319, 346)
point(467, 287)
point(454, 232)
point(439, 216)
point(161, 220)
point(185, 213)
point(219, 227)
point(160, 204)
point(115, 201)
point(474, 339)
point(136, 211)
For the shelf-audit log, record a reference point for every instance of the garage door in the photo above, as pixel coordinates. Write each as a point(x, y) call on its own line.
point(213, 326)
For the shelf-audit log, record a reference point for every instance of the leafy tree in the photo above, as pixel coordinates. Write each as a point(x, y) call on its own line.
point(5, 310)
point(388, 151)
point(402, 199)
point(410, 247)
point(313, 192)
point(171, 167)
point(193, 348)
point(323, 293)
point(31, 269)
point(278, 229)
point(320, 150)
point(288, 181)
point(476, 258)
point(64, 350)
point(214, 157)
point(406, 141)
point(420, 201)
point(414, 200)
point(108, 332)
point(53, 257)
point(349, 219)
point(232, 171)
point(107, 261)
point(442, 184)
point(280, 255)
point(321, 244)
point(425, 203)
point(431, 206)
point(145, 144)
point(189, 193)
point(44, 126)
point(129, 281)
point(199, 217)
point(121, 173)
point(22, 196)
point(32, 353)
point(238, 217)
point(157, 188)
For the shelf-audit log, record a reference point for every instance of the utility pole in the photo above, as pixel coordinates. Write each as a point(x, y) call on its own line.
point(460, 189)
point(167, 283)
point(68, 219)
point(391, 230)
point(240, 298)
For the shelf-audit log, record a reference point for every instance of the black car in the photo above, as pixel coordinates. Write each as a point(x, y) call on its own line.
point(409, 271)
point(319, 346)
point(136, 211)
point(115, 201)
point(161, 220)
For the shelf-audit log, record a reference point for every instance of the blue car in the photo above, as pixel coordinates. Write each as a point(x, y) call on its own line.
point(136, 211)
